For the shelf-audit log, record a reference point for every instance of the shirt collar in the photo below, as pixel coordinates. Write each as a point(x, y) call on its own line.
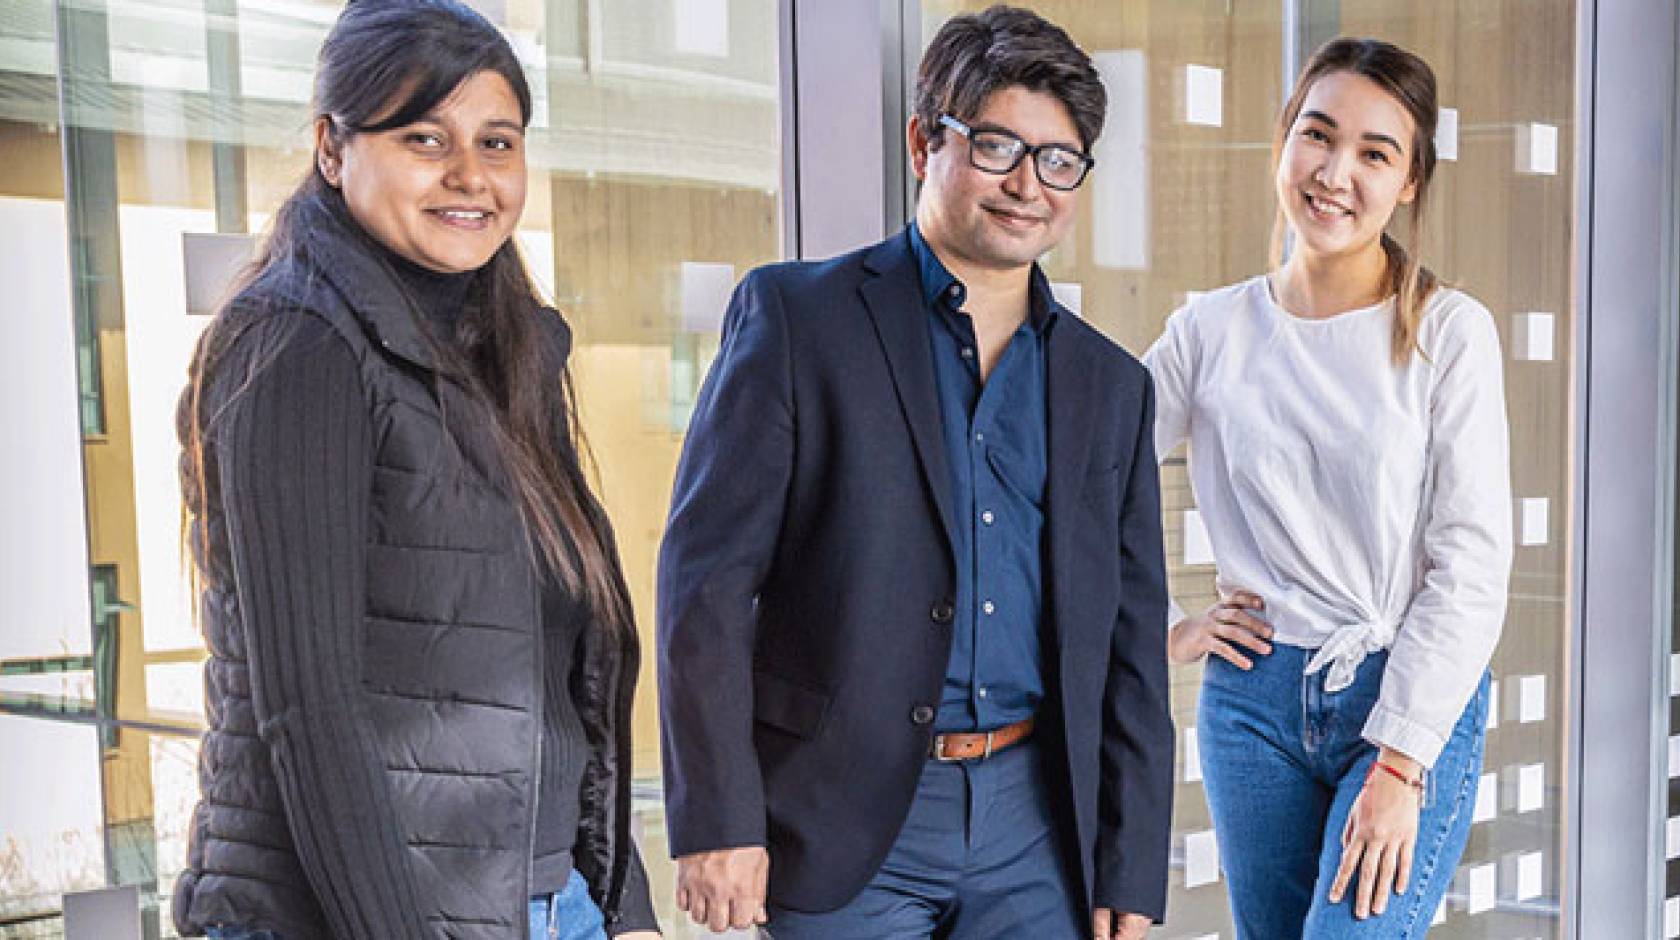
point(942, 290)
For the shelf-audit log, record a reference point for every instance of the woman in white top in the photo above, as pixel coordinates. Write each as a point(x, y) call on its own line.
point(1349, 455)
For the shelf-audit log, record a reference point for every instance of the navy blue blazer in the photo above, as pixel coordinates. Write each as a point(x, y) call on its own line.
point(806, 577)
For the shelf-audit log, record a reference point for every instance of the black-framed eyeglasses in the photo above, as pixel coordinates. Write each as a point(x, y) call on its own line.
point(999, 151)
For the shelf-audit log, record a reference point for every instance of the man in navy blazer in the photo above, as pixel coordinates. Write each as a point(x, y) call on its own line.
point(912, 599)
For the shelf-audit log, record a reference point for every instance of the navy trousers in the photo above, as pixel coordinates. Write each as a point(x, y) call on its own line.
point(981, 856)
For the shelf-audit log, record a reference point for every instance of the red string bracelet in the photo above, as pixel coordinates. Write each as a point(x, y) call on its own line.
point(1415, 783)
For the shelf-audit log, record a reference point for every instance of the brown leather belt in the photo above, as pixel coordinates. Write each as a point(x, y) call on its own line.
point(979, 745)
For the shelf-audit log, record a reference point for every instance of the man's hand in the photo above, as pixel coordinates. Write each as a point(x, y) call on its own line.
point(1112, 925)
point(725, 888)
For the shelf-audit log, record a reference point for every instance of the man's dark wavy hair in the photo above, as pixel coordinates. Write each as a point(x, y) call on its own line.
point(977, 54)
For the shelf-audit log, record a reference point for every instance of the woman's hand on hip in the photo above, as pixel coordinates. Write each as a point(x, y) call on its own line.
point(1226, 629)
point(1380, 834)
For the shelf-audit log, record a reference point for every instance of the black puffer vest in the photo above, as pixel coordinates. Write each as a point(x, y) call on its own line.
point(449, 572)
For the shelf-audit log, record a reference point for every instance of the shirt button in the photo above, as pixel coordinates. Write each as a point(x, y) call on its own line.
point(989, 607)
point(968, 352)
point(942, 612)
point(980, 437)
point(987, 517)
point(982, 691)
point(921, 715)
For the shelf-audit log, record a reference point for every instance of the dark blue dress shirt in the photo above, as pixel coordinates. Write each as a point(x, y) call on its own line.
point(995, 445)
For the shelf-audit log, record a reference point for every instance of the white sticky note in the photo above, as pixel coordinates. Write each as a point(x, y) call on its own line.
point(1534, 511)
point(1531, 787)
point(1673, 756)
point(1201, 859)
point(1446, 134)
point(1533, 701)
point(1069, 294)
point(1530, 869)
point(1483, 883)
point(1192, 757)
point(1673, 832)
point(701, 27)
point(1493, 705)
point(1674, 674)
point(1204, 95)
point(1537, 146)
point(1671, 918)
point(1532, 337)
point(1487, 799)
point(1120, 193)
point(705, 288)
point(1198, 548)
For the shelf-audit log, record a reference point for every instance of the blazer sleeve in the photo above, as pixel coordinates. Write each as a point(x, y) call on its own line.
point(726, 518)
point(295, 451)
point(1135, 796)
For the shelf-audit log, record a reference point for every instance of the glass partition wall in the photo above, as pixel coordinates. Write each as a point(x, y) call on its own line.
point(1182, 202)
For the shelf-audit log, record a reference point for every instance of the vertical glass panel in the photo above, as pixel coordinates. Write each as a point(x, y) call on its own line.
point(52, 836)
point(1182, 202)
point(655, 177)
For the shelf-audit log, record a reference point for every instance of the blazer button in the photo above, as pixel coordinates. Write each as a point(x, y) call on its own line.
point(922, 714)
point(943, 612)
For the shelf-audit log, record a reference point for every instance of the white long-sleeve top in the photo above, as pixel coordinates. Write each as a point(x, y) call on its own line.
point(1368, 504)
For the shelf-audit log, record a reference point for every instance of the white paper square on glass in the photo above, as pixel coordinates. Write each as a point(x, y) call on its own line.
point(1192, 757)
point(1069, 294)
point(1530, 870)
point(1446, 134)
point(1201, 859)
point(1493, 705)
point(1674, 674)
point(702, 27)
point(1204, 95)
point(1532, 337)
point(1671, 918)
point(1537, 146)
point(1532, 703)
point(1198, 548)
point(1482, 882)
point(1487, 799)
point(1534, 513)
point(1531, 787)
point(1673, 756)
point(1120, 194)
point(706, 286)
point(1673, 838)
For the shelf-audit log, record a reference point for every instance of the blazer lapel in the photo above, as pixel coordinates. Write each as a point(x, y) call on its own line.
point(894, 301)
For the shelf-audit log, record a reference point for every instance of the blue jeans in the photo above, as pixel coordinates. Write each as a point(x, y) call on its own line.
point(980, 857)
point(1282, 761)
point(568, 914)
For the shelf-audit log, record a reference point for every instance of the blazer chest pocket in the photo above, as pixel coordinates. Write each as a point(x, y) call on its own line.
point(788, 706)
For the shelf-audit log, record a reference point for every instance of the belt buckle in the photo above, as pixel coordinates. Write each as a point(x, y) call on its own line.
point(943, 758)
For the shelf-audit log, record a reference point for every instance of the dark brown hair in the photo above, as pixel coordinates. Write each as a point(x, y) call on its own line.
point(977, 54)
point(1408, 80)
point(383, 66)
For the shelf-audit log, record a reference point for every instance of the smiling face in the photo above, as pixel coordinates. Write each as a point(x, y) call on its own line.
point(985, 219)
point(1346, 163)
point(444, 192)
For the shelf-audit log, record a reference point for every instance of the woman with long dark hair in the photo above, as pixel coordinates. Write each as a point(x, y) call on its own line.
point(422, 656)
point(1349, 455)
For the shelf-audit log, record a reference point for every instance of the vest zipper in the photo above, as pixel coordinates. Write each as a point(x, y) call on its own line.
point(537, 716)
